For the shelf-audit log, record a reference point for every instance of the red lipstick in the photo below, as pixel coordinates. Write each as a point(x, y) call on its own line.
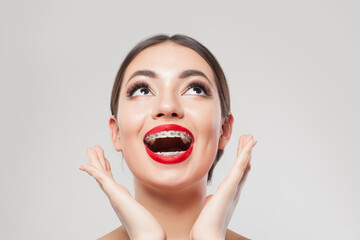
point(169, 159)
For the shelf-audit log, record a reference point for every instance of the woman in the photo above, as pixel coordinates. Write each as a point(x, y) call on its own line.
point(171, 120)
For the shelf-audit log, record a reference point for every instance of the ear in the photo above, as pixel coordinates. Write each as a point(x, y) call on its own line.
point(115, 134)
point(226, 130)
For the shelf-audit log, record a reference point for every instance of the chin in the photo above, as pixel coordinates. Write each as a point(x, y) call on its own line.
point(173, 181)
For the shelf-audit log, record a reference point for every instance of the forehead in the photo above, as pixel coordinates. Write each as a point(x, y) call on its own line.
point(169, 59)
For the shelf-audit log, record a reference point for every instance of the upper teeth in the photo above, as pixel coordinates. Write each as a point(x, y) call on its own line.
point(185, 137)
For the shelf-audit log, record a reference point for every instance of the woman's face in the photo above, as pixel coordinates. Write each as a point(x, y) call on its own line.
point(171, 89)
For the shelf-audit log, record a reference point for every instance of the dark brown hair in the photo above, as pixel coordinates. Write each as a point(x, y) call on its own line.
point(186, 41)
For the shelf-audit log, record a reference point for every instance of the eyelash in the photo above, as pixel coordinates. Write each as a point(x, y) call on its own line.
point(202, 86)
point(195, 84)
point(137, 86)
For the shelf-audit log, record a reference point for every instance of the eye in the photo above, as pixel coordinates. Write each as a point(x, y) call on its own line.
point(197, 88)
point(139, 89)
point(142, 91)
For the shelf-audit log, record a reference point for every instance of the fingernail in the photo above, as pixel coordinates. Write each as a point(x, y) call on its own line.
point(81, 168)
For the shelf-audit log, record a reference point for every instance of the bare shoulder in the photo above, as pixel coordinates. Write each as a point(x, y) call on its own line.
point(118, 234)
point(231, 235)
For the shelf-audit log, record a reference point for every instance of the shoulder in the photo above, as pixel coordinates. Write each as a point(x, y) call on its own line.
point(118, 234)
point(231, 235)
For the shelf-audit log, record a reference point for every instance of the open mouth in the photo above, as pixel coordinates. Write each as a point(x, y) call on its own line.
point(169, 143)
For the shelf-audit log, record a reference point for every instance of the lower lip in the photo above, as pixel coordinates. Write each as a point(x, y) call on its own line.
point(169, 159)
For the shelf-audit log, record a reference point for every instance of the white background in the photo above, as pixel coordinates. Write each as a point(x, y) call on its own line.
point(293, 70)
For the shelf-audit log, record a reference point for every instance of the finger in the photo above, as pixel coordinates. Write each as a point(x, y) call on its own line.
point(242, 182)
point(93, 158)
point(241, 162)
point(230, 183)
point(100, 154)
point(243, 140)
point(244, 155)
point(108, 167)
point(105, 163)
point(240, 145)
point(106, 183)
point(94, 172)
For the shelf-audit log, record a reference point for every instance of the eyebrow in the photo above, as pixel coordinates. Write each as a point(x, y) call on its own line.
point(184, 74)
point(146, 73)
point(191, 72)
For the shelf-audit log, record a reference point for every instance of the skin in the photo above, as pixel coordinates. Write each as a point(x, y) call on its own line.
point(170, 199)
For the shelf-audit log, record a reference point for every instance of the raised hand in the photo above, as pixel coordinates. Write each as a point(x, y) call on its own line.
point(138, 222)
point(218, 208)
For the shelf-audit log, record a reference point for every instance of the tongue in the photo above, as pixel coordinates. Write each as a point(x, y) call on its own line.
point(171, 149)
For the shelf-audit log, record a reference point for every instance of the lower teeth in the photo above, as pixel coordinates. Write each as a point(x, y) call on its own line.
point(167, 154)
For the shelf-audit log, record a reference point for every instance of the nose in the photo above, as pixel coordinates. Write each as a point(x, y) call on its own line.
point(168, 106)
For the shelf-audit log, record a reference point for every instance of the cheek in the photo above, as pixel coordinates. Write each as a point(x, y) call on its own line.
point(206, 116)
point(131, 117)
point(206, 119)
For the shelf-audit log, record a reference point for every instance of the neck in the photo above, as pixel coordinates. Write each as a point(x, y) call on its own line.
point(176, 211)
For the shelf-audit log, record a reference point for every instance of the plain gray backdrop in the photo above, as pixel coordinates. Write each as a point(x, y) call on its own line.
point(293, 70)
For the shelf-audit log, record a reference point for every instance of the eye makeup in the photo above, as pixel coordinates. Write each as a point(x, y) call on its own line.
point(144, 85)
point(137, 85)
point(202, 86)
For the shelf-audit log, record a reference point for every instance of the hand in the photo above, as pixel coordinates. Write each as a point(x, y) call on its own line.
point(218, 208)
point(138, 222)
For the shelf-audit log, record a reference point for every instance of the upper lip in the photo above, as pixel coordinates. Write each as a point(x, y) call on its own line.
point(169, 127)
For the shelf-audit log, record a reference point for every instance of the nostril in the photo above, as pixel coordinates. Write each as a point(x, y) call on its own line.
point(162, 114)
